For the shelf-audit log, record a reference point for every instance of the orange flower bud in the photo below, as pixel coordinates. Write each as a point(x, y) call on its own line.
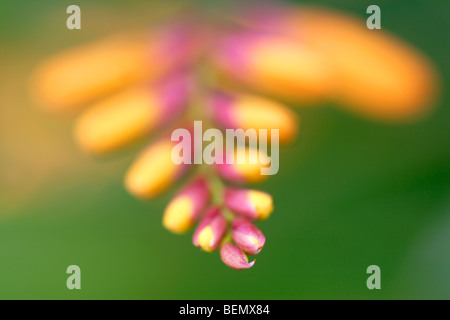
point(184, 209)
point(234, 111)
point(246, 171)
point(378, 75)
point(131, 114)
point(253, 204)
point(374, 73)
point(77, 76)
point(153, 171)
point(275, 65)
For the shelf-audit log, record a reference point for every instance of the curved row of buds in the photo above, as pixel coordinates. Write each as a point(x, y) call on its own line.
point(301, 54)
point(232, 76)
point(308, 54)
point(220, 225)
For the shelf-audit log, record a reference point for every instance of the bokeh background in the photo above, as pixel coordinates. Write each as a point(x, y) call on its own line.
point(350, 193)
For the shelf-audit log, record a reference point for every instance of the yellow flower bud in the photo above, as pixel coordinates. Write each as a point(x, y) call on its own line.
point(130, 115)
point(249, 111)
point(184, 209)
point(243, 170)
point(178, 215)
point(153, 171)
point(253, 204)
point(279, 66)
point(71, 79)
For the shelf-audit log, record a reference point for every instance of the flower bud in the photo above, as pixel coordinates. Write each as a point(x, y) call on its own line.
point(210, 231)
point(153, 171)
point(275, 65)
point(233, 257)
point(132, 114)
point(247, 166)
point(233, 111)
point(253, 204)
point(247, 236)
point(184, 209)
point(80, 75)
point(376, 74)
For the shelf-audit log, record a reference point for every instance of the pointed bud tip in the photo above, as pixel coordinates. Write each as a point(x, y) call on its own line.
point(233, 257)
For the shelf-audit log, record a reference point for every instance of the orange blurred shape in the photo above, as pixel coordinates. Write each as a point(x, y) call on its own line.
point(80, 75)
point(374, 73)
point(153, 172)
point(278, 66)
point(377, 75)
point(131, 114)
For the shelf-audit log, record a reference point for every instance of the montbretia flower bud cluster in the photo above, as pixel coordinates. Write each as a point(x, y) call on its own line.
point(236, 71)
point(220, 225)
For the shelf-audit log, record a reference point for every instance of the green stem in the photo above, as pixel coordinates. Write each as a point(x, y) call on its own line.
point(216, 185)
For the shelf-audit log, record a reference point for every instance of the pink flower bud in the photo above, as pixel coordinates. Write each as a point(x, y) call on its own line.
point(279, 66)
point(234, 258)
point(173, 93)
point(247, 236)
point(252, 204)
point(210, 231)
point(250, 111)
point(184, 209)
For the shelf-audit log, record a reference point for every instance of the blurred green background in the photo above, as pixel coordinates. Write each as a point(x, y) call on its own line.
point(350, 193)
